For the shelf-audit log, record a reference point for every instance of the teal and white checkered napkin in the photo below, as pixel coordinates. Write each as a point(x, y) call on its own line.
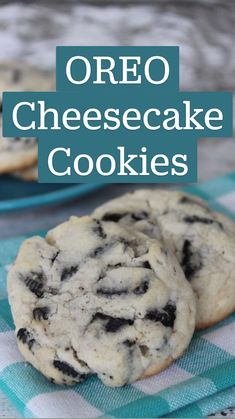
point(199, 383)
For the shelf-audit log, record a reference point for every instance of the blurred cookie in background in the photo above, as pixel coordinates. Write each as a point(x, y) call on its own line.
point(20, 77)
point(17, 153)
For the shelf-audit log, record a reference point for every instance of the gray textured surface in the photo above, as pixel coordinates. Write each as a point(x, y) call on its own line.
point(205, 31)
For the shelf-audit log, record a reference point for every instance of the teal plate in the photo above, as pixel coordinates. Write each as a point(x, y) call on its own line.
point(16, 194)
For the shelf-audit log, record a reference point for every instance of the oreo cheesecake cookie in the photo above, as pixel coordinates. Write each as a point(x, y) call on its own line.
point(202, 240)
point(96, 298)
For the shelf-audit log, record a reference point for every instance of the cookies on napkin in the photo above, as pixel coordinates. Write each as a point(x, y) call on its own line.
point(202, 240)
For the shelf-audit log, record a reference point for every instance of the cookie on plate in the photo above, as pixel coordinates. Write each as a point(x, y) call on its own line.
point(202, 240)
point(17, 153)
point(20, 153)
point(30, 173)
point(95, 298)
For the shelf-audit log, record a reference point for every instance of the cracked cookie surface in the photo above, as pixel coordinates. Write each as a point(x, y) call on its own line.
point(202, 240)
point(96, 298)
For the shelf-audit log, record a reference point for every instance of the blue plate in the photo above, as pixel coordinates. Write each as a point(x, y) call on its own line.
point(16, 194)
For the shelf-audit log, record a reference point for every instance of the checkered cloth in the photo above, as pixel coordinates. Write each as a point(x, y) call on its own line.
point(199, 383)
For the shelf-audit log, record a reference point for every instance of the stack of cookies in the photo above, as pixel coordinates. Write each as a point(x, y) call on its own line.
point(18, 156)
point(119, 293)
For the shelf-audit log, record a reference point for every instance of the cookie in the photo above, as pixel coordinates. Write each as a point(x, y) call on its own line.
point(19, 77)
point(20, 153)
point(29, 174)
point(202, 240)
point(95, 298)
point(17, 153)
